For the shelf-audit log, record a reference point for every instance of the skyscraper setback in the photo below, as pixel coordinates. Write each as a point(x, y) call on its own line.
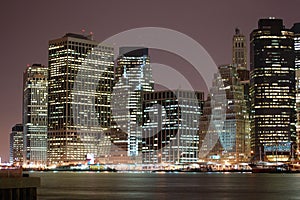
point(272, 90)
point(80, 83)
point(35, 114)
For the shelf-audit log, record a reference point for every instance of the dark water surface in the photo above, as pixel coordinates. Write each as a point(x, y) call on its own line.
point(175, 186)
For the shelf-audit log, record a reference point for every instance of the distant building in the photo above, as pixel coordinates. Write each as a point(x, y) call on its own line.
point(81, 76)
point(35, 111)
point(272, 90)
point(170, 126)
point(239, 61)
point(239, 50)
point(16, 145)
point(133, 76)
point(296, 30)
point(234, 136)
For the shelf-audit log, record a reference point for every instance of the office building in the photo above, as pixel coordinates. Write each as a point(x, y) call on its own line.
point(35, 110)
point(296, 30)
point(239, 50)
point(170, 126)
point(81, 76)
point(231, 140)
point(16, 145)
point(272, 91)
point(133, 77)
point(239, 61)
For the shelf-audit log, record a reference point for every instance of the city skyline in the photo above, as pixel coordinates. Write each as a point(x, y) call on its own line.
point(31, 46)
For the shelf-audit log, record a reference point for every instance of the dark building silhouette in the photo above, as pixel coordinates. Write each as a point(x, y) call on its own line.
point(272, 90)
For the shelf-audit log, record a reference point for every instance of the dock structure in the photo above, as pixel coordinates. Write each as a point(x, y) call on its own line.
point(13, 186)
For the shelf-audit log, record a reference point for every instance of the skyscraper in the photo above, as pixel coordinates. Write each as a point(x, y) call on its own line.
point(133, 77)
point(239, 50)
point(272, 90)
point(80, 82)
point(239, 61)
point(35, 111)
point(296, 30)
point(233, 139)
point(170, 126)
point(16, 145)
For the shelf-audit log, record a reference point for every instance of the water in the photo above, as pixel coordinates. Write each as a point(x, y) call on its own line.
point(175, 186)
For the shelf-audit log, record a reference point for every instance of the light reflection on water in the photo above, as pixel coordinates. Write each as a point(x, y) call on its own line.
point(74, 185)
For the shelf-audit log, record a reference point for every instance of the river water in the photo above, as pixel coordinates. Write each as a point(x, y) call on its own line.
point(175, 186)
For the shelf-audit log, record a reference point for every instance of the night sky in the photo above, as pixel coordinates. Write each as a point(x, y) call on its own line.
point(27, 26)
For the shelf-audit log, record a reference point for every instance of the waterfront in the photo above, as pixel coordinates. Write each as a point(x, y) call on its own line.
point(92, 185)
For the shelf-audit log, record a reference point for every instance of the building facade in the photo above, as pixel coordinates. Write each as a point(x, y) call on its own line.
point(81, 76)
point(170, 126)
point(272, 91)
point(239, 61)
point(239, 50)
point(296, 30)
point(35, 114)
point(233, 138)
point(133, 77)
point(16, 145)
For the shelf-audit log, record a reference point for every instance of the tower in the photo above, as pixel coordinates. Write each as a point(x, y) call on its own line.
point(296, 30)
point(16, 145)
point(133, 77)
point(233, 139)
point(272, 90)
point(35, 111)
point(170, 126)
point(239, 50)
point(80, 82)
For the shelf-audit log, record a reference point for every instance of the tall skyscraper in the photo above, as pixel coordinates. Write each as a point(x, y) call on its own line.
point(35, 111)
point(272, 89)
point(170, 126)
point(16, 145)
point(81, 76)
point(133, 77)
point(239, 61)
point(239, 50)
point(296, 30)
point(233, 143)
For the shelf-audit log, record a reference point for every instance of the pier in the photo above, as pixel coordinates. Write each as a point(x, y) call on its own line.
point(13, 186)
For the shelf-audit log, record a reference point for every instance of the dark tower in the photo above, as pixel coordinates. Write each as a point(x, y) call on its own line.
point(272, 90)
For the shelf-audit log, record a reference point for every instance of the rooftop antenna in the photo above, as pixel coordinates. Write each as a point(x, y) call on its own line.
point(83, 31)
point(91, 36)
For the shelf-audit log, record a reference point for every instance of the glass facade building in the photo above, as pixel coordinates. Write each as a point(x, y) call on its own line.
point(35, 111)
point(133, 76)
point(170, 126)
point(272, 90)
point(16, 145)
point(234, 136)
point(81, 76)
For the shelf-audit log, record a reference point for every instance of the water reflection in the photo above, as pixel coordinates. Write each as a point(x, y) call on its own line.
point(69, 185)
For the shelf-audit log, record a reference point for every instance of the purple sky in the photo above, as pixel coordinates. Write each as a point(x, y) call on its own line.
point(27, 27)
